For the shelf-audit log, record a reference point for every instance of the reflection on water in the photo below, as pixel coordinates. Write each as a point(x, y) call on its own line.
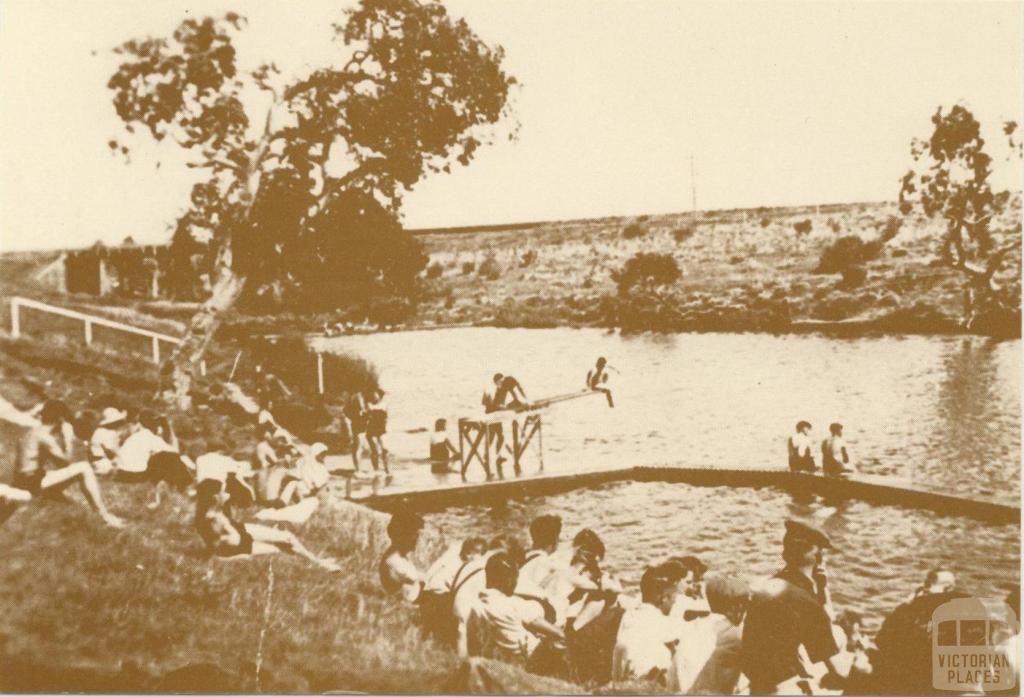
point(881, 553)
point(942, 411)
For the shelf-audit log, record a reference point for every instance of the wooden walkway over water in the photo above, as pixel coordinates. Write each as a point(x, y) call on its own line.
point(874, 489)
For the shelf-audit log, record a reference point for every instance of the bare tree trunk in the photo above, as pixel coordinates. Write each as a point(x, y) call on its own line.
point(226, 289)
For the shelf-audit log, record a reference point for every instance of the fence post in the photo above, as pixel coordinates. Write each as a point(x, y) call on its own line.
point(156, 350)
point(15, 318)
point(88, 332)
point(320, 372)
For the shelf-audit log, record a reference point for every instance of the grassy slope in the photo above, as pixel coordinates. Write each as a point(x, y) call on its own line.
point(88, 608)
point(731, 261)
point(81, 595)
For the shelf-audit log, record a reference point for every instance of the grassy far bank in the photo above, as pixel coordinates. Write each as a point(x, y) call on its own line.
point(89, 608)
point(741, 270)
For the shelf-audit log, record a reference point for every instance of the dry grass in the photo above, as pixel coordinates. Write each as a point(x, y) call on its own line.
point(79, 595)
point(732, 264)
point(92, 609)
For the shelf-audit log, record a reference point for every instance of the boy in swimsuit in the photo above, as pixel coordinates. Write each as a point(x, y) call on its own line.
point(45, 463)
point(834, 458)
point(597, 378)
point(799, 446)
point(441, 449)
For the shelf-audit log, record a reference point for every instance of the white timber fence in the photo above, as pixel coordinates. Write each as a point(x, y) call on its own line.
point(90, 321)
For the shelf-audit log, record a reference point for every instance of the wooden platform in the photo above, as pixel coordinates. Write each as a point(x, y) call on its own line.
point(870, 488)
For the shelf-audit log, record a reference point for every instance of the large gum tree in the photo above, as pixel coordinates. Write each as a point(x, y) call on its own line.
point(290, 162)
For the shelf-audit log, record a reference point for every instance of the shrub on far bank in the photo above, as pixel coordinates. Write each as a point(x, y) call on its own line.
point(647, 271)
point(489, 269)
point(467, 267)
point(681, 234)
point(633, 231)
point(803, 227)
point(848, 250)
point(435, 270)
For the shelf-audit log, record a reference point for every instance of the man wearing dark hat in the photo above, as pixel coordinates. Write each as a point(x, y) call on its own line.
point(788, 612)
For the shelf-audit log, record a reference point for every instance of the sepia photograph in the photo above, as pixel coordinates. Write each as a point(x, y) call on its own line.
point(503, 347)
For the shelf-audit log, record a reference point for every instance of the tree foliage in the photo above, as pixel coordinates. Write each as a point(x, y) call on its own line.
point(646, 272)
point(951, 180)
point(301, 173)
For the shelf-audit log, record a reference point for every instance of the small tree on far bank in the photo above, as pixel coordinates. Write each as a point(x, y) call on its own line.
point(323, 160)
point(646, 272)
point(951, 179)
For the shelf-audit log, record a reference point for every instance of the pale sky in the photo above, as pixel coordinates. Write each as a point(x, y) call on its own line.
point(779, 103)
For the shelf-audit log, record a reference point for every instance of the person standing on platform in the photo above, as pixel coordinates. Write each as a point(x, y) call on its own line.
point(834, 458)
point(376, 427)
point(355, 417)
point(801, 459)
point(491, 402)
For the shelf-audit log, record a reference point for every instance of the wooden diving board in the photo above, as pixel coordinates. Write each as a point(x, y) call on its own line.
point(478, 433)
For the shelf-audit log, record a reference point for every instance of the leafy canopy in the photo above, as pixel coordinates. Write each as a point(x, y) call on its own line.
point(302, 173)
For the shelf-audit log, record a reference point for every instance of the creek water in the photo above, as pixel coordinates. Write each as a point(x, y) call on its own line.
point(942, 412)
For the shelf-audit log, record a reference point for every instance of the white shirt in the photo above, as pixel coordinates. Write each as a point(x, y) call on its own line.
point(698, 642)
point(104, 444)
point(538, 569)
point(404, 572)
point(441, 573)
point(313, 472)
point(138, 448)
point(497, 623)
point(642, 644)
point(467, 584)
point(217, 466)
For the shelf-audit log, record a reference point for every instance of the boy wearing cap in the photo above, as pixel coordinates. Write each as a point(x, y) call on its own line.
point(788, 624)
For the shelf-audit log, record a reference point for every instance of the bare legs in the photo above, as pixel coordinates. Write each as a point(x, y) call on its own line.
point(269, 540)
point(378, 453)
point(82, 473)
point(355, 449)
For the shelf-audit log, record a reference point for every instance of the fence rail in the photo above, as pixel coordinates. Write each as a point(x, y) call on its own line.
point(89, 321)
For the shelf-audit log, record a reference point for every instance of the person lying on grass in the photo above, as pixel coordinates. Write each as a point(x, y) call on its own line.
point(45, 464)
point(226, 537)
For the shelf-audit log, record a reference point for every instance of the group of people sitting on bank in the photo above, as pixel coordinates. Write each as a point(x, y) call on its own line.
point(835, 459)
point(62, 448)
point(555, 611)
